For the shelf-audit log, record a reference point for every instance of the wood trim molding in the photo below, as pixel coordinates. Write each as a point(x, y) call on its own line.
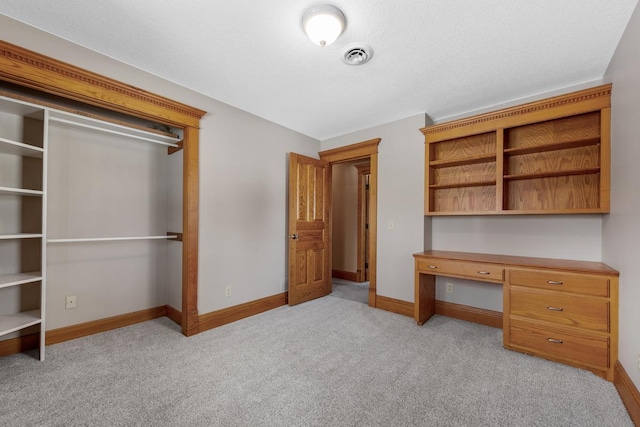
point(32, 70)
point(56, 336)
point(174, 315)
point(345, 275)
point(190, 190)
point(36, 71)
point(628, 392)
point(20, 344)
point(361, 150)
point(364, 169)
point(395, 305)
point(469, 314)
point(241, 311)
point(572, 103)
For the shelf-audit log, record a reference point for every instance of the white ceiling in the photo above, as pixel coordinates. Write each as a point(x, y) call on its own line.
point(438, 57)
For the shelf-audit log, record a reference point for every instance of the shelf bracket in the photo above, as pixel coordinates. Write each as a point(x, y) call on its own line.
point(172, 150)
point(178, 236)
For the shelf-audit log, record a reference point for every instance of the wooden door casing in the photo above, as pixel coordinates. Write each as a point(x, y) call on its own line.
point(309, 229)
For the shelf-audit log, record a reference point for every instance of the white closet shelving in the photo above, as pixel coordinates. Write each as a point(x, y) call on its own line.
point(23, 153)
point(24, 133)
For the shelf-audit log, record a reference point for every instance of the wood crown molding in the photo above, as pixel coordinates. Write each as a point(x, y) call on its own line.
point(601, 93)
point(628, 392)
point(351, 152)
point(31, 69)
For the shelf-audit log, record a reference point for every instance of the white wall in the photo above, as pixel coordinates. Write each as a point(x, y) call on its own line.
point(344, 217)
point(400, 199)
point(575, 237)
point(243, 178)
point(621, 229)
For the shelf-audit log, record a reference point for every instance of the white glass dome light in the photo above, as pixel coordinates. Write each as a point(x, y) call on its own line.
point(323, 24)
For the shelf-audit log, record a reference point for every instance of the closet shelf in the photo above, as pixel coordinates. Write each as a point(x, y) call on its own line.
point(8, 146)
point(112, 128)
point(585, 142)
point(19, 236)
point(20, 191)
point(8, 280)
point(551, 174)
point(109, 239)
point(16, 321)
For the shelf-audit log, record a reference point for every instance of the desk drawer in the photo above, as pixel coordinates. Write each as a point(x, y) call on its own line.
point(556, 281)
point(561, 308)
point(555, 342)
point(464, 269)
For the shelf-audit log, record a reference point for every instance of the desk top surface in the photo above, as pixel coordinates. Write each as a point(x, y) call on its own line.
point(590, 267)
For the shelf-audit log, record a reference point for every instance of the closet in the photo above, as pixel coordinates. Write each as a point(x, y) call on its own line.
point(96, 179)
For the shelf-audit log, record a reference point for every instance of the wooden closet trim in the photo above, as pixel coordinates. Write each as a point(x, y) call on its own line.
point(33, 70)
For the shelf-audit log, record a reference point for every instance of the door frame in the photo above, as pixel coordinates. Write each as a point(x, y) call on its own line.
point(365, 150)
point(364, 169)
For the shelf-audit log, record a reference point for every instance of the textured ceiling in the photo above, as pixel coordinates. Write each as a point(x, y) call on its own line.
point(442, 58)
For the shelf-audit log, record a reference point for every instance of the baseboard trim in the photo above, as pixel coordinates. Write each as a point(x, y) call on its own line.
point(345, 275)
point(56, 336)
point(394, 305)
point(231, 314)
point(628, 392)
point(18, 345)
point(469, 314)
point(174, 315)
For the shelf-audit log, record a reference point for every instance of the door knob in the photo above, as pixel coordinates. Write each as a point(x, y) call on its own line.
point(294, 237)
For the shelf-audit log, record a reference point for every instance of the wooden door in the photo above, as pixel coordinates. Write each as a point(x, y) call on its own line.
point(309, 231)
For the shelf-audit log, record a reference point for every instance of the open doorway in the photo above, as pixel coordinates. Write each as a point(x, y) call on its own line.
point(349, 230)
point(362, 153)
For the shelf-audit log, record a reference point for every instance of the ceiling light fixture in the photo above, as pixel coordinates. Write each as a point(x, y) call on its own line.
point(323, 24)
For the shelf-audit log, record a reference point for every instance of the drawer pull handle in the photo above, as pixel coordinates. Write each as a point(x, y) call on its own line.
point(433, 267)
point(554, 341)
point(486, 273)
point(554, 308)
point(553, 282)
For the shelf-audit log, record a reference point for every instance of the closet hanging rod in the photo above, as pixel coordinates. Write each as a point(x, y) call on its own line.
point(109, 239)
point(114, 132)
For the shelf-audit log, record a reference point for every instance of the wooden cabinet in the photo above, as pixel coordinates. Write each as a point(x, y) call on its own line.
point(562, 316)
point(550, 156)
point(22, 212)
point(562, 310)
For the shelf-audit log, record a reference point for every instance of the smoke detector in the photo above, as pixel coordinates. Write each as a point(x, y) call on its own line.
point(357, 54)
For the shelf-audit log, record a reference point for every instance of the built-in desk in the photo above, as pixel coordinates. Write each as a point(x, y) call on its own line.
point(562, 310)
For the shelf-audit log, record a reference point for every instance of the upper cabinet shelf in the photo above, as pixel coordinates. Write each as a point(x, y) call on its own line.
point(545, 157)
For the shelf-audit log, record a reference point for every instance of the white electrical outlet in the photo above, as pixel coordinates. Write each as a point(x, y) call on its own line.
point(227, 291)
point(449, 288)
point(70, 302)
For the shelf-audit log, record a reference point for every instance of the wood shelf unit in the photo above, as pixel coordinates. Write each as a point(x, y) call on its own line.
point(545, 157)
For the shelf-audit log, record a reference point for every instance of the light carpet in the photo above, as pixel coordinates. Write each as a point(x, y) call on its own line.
point(328, 362)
